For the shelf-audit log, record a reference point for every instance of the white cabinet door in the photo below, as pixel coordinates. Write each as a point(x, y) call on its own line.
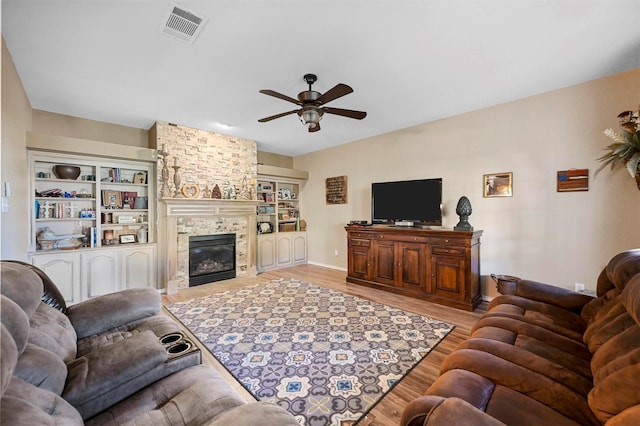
point(299, 248)
point(284, 250)
point(139, 267)
point(266, 252)
point(64, 271)
point(100, 273)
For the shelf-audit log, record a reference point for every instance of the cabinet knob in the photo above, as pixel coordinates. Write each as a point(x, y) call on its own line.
point(446, 241)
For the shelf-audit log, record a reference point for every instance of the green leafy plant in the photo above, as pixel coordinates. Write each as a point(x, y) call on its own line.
point(625, 151)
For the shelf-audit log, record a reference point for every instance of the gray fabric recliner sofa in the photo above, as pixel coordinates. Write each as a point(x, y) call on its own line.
point(106, 361)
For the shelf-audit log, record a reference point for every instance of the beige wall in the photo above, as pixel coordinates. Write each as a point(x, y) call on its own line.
point(16, 121)
point(49, 123)
point(271, 159)
point(560, 238)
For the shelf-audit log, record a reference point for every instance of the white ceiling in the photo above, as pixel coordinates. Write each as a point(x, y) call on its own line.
point(409, 62)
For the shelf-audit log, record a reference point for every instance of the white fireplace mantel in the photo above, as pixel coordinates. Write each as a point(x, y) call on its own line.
point(173, 209)
point(207, 207)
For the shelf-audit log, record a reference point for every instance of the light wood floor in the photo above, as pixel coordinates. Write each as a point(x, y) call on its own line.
point(389, 409)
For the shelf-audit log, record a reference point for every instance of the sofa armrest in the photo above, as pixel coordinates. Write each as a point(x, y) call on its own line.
point(103, 313)
point(552, 295)
point(95, 374)
point(263, 413)
point(438, 411)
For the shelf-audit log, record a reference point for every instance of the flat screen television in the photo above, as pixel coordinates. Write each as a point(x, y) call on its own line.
point(403, 202)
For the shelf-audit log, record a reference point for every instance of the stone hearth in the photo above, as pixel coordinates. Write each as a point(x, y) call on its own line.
point(181, 218)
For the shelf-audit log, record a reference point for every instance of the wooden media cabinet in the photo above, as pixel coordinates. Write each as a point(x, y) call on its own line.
point(441, 266)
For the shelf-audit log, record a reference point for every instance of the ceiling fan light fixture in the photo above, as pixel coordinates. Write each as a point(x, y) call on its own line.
point(310, 118)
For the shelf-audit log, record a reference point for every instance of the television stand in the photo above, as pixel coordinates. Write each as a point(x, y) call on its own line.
point(438, 265)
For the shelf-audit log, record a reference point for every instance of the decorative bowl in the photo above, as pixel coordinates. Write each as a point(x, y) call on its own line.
point(66, 172)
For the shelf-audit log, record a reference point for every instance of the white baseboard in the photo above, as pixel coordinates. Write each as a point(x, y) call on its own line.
point(328, 266)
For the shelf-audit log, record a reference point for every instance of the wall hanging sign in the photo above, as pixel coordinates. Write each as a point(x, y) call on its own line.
point(336, 190)
point(573, 180)
point(498, 185)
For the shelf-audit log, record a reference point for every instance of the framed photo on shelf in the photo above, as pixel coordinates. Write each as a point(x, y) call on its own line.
point(128, 238)
point(266, 187)
point(261, 197)
point(140, 177)
point(265, 228)
point(269, 198)
point(285, 194)
point(111, 199)
point(262, 209)
point(271, 209)
point(498, 185)
point(284, 216)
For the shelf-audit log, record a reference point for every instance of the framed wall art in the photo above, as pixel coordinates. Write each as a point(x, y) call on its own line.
point(498, 185)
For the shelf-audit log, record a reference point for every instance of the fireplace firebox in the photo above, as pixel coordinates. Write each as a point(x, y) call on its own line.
point(211, 258)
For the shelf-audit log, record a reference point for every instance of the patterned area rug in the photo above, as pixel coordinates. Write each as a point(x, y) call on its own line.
point(325, 356)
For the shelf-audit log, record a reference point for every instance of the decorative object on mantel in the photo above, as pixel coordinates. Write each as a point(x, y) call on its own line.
point(573, 180)
point(252, 189)
point(190, 190)
point(207, 192)
point(165, 192)
point(215, 192)
point(176, 177)
point(463, 210)
point(626, 147)
point(226, 191)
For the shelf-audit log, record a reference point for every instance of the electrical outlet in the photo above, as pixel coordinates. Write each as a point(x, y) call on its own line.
point(580, 287)
point(335, 253)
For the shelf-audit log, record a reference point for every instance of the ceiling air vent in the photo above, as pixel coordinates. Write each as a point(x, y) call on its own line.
point(182, 24)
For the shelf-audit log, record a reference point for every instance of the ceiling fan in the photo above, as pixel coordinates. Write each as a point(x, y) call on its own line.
point(311, 103)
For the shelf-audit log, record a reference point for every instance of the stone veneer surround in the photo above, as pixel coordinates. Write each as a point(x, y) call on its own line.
point(182, 218)
point(205, 159)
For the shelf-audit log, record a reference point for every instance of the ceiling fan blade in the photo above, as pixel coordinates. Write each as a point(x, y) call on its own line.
point(358, 115)
point(273, 117)
point(280, 96)
point(314, 129)
point(337, 91)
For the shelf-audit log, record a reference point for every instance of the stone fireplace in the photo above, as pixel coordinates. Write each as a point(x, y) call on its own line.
point(204, 159)
point(185, 218)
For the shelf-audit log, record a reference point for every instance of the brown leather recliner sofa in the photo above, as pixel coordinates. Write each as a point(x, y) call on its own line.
point(543, 355)
point(106, 361)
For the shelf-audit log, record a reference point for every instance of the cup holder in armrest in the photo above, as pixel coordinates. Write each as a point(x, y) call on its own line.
point(178, 346)
point(171, 338)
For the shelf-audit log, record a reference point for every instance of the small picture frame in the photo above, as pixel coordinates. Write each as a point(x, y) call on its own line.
point(140, 178)
point(269, 198)
point(262, 209)
point(266, 187)
point(265, 228)
point(284, 216)
point(111, 199)
point(128, 239)
point(498, 185)
point(271, 209)
point(285, 194)
point(261, 198)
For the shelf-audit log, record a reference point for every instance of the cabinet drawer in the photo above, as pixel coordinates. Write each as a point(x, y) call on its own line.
point(448, 242)
point(403, 238)
point(451, 251)
point(353, 235)
point(360, 243)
